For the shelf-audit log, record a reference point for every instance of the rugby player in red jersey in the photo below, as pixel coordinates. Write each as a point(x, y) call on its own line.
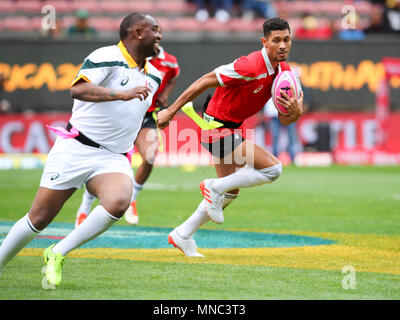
point(242, 89)
point(147, 140)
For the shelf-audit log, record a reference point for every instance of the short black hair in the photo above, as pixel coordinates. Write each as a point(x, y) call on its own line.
point(274, 24)
point(128, 22)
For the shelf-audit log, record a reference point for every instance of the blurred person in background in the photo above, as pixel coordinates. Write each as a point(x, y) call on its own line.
point(276, 126)
point(391, 16)
point(258, 8)
point(270, 121)
point(221, 9)
point(5, 106)
point(311, 28)
point(82, 29)
point(376, 25)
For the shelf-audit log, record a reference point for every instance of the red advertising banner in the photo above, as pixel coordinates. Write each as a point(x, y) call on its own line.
point(27, 133)
point(352, 137)
point(392, 69)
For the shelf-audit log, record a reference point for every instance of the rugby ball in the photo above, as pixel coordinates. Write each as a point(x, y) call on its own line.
point(283, 81)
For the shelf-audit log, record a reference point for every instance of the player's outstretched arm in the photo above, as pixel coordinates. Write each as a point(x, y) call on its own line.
point(207, 81)
point(294, 106)
point(87, 91)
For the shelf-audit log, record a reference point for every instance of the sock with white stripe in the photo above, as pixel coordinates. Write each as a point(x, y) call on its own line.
point(87, 201)
point(247, 177)
point(98, 221)
point(21, 233)
point(135, 190)
point(200, 217)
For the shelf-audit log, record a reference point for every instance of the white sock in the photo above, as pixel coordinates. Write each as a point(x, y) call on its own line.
point(135, 190)
point(200, 217)
point(87, 201)
point(98, 221)
point(21, 233)
point(247, 177)
point(194, 222)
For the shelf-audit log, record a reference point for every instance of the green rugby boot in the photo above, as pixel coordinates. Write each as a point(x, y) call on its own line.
point(54, 261)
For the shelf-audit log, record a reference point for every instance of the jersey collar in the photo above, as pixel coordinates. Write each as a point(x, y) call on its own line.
point(268, 64)
point(161, 54)
point(132, 63)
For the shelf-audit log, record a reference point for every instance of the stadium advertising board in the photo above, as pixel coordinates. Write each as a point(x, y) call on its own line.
point(351, 139)
point(338, 76)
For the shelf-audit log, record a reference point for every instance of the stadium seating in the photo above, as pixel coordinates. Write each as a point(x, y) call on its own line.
point(186, 24)
point(174, 15)
point(175, 7)
point(16, 24)
point(90, 5)
point(29, 6)
point(166, 24)
point(213, 25)
point(241, 25)
point(121, 7)
point(61, 6)
point(7, 6)
point(104, 23)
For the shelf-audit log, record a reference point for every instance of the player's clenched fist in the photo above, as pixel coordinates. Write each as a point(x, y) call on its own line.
point(163, 118)
point(140, 92)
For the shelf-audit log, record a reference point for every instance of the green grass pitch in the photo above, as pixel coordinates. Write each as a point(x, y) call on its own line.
point(357, 207)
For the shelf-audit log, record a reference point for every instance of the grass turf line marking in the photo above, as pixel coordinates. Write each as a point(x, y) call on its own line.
point(331, 257)
point(366, 252)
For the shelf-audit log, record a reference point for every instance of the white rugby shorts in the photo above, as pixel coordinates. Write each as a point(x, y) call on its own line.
point(70, 164)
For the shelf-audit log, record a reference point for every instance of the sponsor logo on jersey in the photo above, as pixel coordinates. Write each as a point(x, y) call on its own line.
point(124, 81)
point(258, 89)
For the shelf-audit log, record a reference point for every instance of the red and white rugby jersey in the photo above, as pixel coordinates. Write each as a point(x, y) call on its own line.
point(245, 87)
point(167, 65)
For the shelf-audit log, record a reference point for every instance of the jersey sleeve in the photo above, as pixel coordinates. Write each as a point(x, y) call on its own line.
point(175, 71)
point(171, 63)
point(239, 71)
point(94, 69)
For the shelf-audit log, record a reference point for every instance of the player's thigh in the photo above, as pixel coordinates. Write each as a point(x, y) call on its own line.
point(147, 144)
point(47, 205)
point(253, 155)
point(114, 191)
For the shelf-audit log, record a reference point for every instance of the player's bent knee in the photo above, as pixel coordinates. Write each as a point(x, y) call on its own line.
point(270, 174)
point(117, 206)
point(39, 219)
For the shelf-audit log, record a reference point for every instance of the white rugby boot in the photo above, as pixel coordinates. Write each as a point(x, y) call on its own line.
point(187, 246)
point(131, 215)
point(214, 201)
